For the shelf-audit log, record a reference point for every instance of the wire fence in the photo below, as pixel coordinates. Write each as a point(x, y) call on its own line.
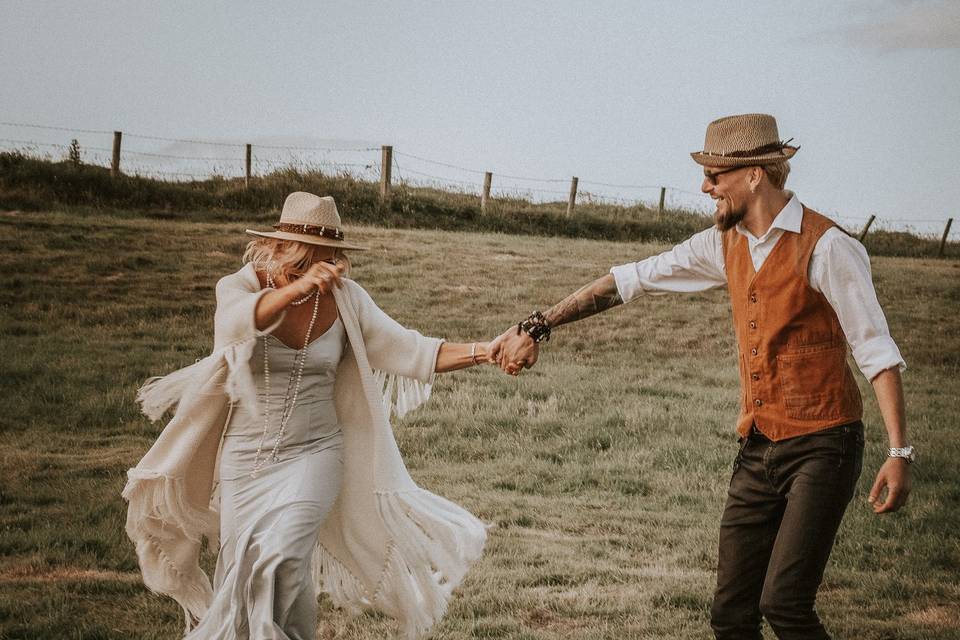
point(193, 159)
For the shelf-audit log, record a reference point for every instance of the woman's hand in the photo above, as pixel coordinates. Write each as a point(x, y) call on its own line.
point(514, 351)
point(321, 275)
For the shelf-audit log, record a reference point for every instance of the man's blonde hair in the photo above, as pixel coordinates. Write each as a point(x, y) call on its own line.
point(777, 172)
point(287, 258)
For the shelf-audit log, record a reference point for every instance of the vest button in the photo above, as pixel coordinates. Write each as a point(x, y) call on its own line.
point(758, 402)
point(753, 324)
point(755, 376)
point(753, 351)
point(753, 297)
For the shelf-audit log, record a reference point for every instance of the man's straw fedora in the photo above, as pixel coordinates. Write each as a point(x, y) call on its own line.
point(748, 139)
point(310, 219)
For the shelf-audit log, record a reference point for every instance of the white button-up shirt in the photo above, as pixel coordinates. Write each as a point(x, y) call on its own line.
point(839, 269)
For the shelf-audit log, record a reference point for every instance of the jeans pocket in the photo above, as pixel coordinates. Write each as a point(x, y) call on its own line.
point(851, 454)
point(739, 457)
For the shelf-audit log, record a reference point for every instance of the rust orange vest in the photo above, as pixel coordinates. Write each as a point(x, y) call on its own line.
point(794, 377)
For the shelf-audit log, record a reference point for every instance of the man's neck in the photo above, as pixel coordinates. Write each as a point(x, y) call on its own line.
point(762, 210)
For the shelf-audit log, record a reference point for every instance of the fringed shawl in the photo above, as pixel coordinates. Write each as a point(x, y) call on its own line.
point(387, 544)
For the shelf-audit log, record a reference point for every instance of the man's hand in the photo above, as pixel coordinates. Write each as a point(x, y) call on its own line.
point(894, 475)
point(514, 352)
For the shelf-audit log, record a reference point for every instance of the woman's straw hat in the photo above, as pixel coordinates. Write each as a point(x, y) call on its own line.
point(310, 219)
point(748, 139)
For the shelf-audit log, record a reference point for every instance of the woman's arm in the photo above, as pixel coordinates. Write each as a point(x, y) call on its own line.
point(321, 275)
point(461, 355)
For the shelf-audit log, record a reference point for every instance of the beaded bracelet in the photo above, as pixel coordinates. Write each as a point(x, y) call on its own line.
point(536, 327)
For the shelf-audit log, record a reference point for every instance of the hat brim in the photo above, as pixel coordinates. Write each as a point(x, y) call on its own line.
point(709, 160)
point(307, 239)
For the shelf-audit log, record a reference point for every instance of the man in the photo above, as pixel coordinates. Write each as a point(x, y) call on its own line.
point(800, 289)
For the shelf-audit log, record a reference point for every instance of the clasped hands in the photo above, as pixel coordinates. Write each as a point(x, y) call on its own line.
point(513, 351)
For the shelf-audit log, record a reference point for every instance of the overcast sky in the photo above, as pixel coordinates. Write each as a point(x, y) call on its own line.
point(613, 92)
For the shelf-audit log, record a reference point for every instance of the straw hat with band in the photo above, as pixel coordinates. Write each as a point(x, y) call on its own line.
point(310, 219)
point(749, 139)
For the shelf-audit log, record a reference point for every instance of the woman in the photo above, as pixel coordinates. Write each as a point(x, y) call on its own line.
point(288, 421)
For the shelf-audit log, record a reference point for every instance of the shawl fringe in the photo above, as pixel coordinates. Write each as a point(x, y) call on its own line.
point(162, 393)
point(159, 522)
point(434, 542)
point(346, 590)
point(401, 395)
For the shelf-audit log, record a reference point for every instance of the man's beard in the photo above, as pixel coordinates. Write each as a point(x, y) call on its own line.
point(729, 219)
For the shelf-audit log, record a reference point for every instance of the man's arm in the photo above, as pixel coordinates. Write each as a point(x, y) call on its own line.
point(693, 265)
point(515, 349)
point(895, 472)
point(840, 270)
point(588, 300)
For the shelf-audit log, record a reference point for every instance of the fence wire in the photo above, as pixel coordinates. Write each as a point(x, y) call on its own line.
point(169, 162)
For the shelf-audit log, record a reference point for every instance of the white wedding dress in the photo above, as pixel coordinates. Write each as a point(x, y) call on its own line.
point(263, 586)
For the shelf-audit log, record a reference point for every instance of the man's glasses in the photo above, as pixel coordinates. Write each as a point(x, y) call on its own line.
point(712, 177)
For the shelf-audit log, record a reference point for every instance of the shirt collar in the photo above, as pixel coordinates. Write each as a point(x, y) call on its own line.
point(788, 219)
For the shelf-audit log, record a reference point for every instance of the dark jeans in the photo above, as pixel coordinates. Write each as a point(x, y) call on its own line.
point(783, 510)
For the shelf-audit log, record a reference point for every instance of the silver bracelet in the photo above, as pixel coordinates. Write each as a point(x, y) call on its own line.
point(901, 452)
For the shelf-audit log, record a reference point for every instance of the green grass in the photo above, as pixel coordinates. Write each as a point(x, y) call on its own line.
point(605, 467)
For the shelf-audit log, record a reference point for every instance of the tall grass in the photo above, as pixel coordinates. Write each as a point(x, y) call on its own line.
point(604, 468)
point(32, 184)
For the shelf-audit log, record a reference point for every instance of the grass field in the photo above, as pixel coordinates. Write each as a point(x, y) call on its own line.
point(605, 467)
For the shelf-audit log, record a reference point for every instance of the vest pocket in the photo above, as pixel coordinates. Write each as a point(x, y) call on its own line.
point(812, 382)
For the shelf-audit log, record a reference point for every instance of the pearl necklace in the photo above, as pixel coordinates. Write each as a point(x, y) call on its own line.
point(296, 303)
point(288, 402)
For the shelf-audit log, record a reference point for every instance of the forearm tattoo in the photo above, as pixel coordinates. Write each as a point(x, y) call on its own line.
point(599, 295)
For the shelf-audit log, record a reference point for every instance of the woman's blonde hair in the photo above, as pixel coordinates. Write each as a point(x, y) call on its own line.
point(287, 258)
point(777, 172)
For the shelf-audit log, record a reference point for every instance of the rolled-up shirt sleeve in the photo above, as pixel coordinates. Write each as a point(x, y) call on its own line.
point(696, 264)
point(842, 274)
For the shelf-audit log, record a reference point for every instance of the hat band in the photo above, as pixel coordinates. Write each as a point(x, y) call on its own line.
point(756, 151)
point(311, 230)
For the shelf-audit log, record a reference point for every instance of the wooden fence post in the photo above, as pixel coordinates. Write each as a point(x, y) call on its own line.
point(485, 196)
point(573, 196)
point(663, 194)
point(386, 163)
point(943, 240)
point(115, 163)
point(866, 227)
point(246, 184)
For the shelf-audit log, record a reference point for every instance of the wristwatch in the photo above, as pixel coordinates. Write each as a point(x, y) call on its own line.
point(902, 452)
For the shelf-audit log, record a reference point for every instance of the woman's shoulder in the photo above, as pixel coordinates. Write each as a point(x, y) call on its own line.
point(245, 279)
point(359, 298)
point(353, 289)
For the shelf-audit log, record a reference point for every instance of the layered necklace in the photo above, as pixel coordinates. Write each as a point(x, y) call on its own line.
point(293, 384)
point(273, 285)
